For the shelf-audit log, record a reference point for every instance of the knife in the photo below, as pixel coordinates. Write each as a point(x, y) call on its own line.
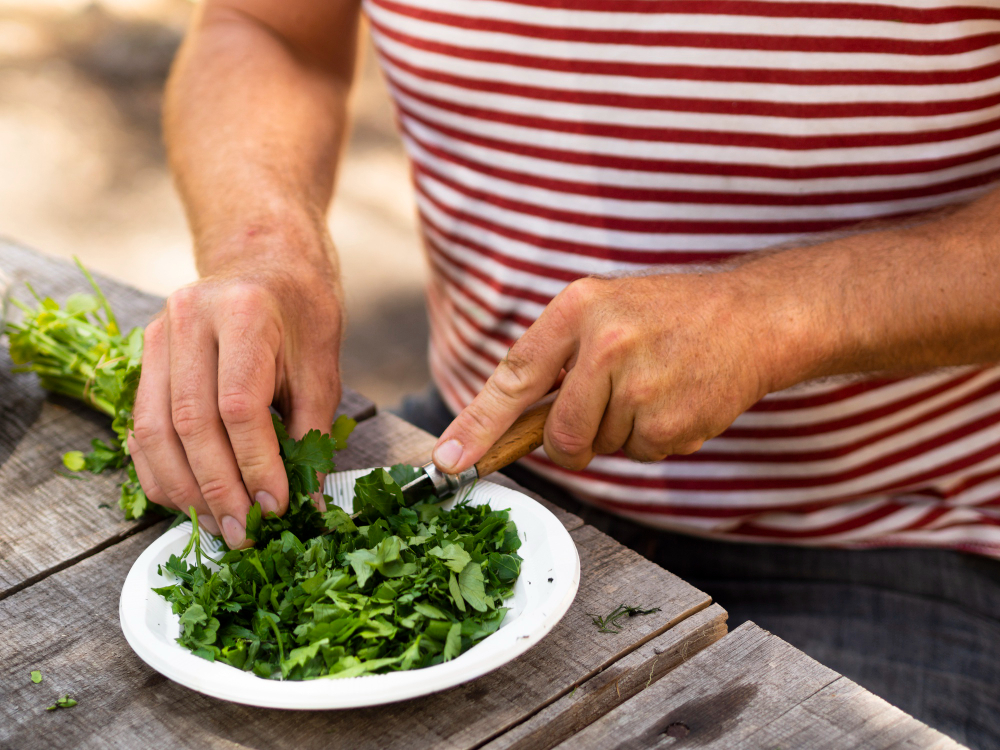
point(519, 440)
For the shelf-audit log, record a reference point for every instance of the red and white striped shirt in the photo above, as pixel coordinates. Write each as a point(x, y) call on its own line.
point(552, 139)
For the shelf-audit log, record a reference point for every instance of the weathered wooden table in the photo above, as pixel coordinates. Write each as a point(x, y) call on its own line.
point(674, 678)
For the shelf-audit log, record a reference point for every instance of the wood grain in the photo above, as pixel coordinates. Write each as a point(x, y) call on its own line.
point(626, 677)
point(522, 437)
point(752, 690)
point(67, 626)
point(48, 520)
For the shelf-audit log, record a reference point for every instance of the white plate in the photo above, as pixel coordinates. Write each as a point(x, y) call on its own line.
point(550, 575)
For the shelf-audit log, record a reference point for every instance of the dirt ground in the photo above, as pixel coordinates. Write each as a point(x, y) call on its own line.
point(82, 172)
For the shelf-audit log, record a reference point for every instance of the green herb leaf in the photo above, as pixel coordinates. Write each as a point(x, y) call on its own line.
point(36, 677)
point(64, 702)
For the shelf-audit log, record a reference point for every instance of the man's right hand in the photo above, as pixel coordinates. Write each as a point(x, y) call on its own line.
point(225, 349)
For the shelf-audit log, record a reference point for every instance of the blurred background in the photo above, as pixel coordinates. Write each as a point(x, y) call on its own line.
point(82, 172)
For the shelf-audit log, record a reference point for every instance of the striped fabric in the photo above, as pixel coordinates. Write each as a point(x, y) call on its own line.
point(552, 139)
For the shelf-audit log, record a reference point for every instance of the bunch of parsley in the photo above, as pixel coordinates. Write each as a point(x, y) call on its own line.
point(400, 586)
point(78, 350)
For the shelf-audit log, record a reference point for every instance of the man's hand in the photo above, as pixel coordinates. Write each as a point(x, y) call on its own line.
point(222, 352)
point(658, 364)
point(654, 365)
point(254, 117)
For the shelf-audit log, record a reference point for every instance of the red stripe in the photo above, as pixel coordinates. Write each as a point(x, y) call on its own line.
point(707, 455)
point(851, 420)
point(549, 272)
point(500, 315)
point(866, 77)
point(847, 11)
point(642, 257)
point(779, 141)
point(702, 40)
point(844, 527)
point(707, 197)
point(644, 226)
point(749, 483)
point(735, 107)
point(714, 169)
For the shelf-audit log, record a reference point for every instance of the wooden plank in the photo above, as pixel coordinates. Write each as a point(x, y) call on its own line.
point(752, 690)
point(386, 439)
point(587, 702)
point(844, 714)
point(67, 626)
point(49, 521)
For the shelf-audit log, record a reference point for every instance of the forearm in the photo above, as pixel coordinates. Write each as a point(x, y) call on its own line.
point(253, 128)
point(923, 295)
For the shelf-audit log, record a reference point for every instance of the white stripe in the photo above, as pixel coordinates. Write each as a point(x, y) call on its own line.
point(704, 23)
point(664, 211)
point(846, 435)
point(778, 498)
point(846, 407)
point(669, 55)
point(597, 237)
point(505, 275)
point(680, 87)
point(656, 180)
point(649, 117)
point(641, 149)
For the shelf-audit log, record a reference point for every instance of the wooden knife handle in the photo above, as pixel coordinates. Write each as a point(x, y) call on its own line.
point(523, 437)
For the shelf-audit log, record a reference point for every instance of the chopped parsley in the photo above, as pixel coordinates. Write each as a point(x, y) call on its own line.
point(400, 587)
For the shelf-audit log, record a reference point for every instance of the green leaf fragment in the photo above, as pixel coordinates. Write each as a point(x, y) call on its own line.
point(470, 582)
point(64, 702)
point(74, 461)
point(36, 676)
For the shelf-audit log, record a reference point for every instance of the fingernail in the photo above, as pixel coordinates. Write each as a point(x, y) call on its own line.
point(448, 454)
point(209, 525)
point(234, 532)
point(267, 503)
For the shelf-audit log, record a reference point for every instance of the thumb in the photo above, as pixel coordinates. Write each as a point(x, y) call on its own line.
point(526, 374)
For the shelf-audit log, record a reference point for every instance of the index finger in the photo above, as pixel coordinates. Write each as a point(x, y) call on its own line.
point(527, 373)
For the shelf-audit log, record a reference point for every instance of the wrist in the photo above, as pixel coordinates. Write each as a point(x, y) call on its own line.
point(291, 242)
point(794, 332)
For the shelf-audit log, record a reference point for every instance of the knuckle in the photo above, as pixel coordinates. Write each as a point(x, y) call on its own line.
point(644, 392)
point(154, 332)
point(580, 293)
point(145, 431)
point(182, 303)
point(612, 343)
point(478, 422)
point(215, 491)
point(567, 442)
point(188, 418)
point(246, 301)
point(686, 449)
point(513, 376)
point(237, 408)
point(181, 496)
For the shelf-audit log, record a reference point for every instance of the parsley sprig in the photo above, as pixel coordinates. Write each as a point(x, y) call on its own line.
point(612, 622)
